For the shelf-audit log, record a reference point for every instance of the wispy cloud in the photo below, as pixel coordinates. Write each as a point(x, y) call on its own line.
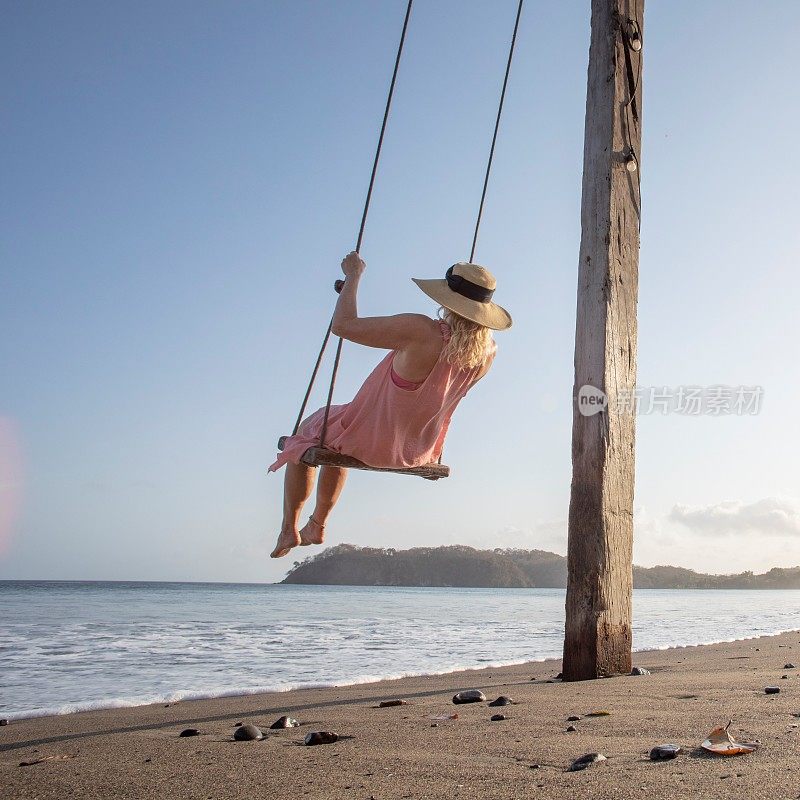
point(771, 516)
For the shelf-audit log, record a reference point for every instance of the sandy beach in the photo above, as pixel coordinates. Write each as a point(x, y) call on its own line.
point(405, 752)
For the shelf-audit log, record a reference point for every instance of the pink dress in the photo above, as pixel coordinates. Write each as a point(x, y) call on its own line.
point(386, 425)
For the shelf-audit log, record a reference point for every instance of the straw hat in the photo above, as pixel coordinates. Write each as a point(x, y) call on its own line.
point(467, 289)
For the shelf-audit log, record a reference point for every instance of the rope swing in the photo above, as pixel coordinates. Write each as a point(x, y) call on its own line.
point(496, 129)
point(319, 455)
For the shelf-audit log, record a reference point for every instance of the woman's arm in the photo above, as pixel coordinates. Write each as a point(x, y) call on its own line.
point(389, 333)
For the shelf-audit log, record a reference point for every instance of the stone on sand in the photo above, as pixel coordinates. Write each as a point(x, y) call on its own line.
point(320, 737)
point(503, 700)
point(284, 722)
point(247, 733)
point(586, 761)
point(665, 752)
point(469, 696)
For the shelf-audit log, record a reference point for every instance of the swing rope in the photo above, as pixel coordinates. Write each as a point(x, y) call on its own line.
point(360, 238)
point(496, 129)
point(369, 198)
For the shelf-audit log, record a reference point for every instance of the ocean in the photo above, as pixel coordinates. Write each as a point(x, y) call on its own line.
point(71, 646)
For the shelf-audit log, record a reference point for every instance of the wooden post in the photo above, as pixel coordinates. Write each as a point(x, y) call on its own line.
point(597, 638)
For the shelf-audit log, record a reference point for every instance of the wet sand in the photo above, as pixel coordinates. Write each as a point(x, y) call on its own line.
point(397, 753)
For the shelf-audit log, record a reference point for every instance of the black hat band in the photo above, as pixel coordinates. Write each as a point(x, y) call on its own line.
point(465, 288)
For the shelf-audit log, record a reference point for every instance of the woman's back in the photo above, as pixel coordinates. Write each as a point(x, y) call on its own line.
point(388, 423)
point(415, 362)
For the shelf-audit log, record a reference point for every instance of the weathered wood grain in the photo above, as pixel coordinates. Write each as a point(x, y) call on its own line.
point(599, 590)
point(322, 457)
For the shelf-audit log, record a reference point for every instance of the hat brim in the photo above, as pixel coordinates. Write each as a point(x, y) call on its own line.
point(490, 315)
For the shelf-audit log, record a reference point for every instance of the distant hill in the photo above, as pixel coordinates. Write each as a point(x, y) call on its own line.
point(461, 566)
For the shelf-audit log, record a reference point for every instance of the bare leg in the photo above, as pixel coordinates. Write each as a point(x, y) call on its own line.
point(329, 487)
point(297, 488)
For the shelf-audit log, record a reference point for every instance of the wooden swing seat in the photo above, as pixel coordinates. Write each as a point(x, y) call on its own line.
point(322, 457)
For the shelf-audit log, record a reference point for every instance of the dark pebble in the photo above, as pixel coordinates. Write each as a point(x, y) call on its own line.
point(784, 677)
point(189, 732)
point(238, 724)
point(247, 733)
point(469, 696)
point(284, 722)
point(664, 752)
point(586, 761)
point(498, 717)
point(571, 729)
point(772, 690)
point(434, 725)
point(392, 703)
point(789, 665)
point(502, 701)
point(640, 671)
point(573, 718)
point(534, 766)
point(3, 722)
point(320, 737)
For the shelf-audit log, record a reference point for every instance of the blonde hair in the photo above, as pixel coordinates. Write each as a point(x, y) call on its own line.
point(469, 341)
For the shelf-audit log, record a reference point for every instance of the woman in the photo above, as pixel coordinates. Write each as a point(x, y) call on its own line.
point(399, 417)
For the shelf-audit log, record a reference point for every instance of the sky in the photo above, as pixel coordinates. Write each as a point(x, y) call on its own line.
point(182, 179)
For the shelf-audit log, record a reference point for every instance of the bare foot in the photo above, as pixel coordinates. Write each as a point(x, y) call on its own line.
point(288, 539)
point(312, 533)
